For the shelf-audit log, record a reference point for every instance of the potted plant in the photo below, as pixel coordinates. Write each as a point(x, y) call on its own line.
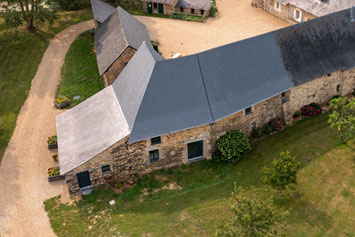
point(52, 142)
point(61, 102)
point(54, 174)
point(55, 157)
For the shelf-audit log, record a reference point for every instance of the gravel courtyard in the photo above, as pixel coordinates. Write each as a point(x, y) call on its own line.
point(237, 20)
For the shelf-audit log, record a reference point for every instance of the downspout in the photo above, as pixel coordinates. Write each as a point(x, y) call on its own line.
point(211, 140)
point(341, 83)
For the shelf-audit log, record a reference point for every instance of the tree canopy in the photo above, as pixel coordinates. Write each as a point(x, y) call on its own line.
point(28, 12)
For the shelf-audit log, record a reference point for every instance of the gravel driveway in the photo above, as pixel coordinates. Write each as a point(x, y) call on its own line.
point(237, 20)
point(23, 170)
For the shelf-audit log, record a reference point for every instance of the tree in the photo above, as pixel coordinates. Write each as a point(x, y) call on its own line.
point(232, 146)
point(282, 173)
point(254, 216)
point(342, 117)
point(29, 12)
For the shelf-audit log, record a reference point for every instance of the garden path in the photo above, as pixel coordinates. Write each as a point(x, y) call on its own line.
point(23, 169)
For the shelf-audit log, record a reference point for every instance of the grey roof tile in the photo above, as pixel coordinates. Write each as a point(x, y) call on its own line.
point(101, 10)
point(195, 4)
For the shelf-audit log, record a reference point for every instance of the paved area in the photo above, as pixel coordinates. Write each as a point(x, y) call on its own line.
point(23, 169)
point(237, 20)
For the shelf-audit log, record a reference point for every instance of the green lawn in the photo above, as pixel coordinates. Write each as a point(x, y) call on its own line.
point(20, 54)
point(324, 204)
point(80, 75)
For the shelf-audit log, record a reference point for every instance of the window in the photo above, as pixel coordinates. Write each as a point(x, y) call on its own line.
point(329, 74)
point(192, 11)
point(195, 150)
point(155, 140)
point(338, 88)
point(277, 6)
point(105, 168)
point(154, 155)
point(248, 111)
point(297, 14)
point(181, 9)
point(202, 12)
point(285, 96)
point(253, 126)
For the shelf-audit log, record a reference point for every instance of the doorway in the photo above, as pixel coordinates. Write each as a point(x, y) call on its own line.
point(160, 8)
point(150, 8)
point(83, 179)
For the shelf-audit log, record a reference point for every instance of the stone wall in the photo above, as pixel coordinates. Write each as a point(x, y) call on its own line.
point(261, 114)
point(116, 68)
point(285, 12)
point(127, 159)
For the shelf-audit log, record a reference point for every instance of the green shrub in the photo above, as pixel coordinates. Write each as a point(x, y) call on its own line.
point(297, 114)
point(267, 128)
point(213, 9)
point(283, 172)
point(258, 132)
point(353, 93)
point(232, 146)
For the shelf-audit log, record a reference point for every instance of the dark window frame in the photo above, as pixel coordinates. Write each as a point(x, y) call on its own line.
point(155, 140)
point(105, 170)
point(154, 155)
point(248, 110)
point(181, 9)
point(338, 88)
point(192, 11)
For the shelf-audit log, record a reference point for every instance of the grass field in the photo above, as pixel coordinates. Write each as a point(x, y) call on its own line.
point(80, 75)
point(21, 53)
point(324, 203)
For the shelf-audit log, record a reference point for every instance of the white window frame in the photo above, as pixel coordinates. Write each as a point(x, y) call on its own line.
point(299, 19)
point(277, 6)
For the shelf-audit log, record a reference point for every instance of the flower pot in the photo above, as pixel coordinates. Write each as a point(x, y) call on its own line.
point(56, 177)
point(52, 146)
point(62, 105)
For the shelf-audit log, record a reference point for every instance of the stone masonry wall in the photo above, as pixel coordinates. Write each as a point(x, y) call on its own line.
point(262, 113)
point(320, 90)
point(116, 68)
point(128, 159)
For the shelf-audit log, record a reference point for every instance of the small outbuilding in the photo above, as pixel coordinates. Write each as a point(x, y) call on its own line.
point(169, 7)
point(116, 41)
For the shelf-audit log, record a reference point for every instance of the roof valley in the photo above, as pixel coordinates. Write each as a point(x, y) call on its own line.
point(204, 87)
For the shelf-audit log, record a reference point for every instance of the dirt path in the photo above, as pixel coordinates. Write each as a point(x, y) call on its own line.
point(237, 20)
point(23, 171)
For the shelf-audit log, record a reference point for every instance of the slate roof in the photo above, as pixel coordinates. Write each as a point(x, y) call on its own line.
point(158, 97)
point(320, 8)
point(195, 4)
point(314, 49)
point(119, 31)
point(101, 10)
point(89, 128)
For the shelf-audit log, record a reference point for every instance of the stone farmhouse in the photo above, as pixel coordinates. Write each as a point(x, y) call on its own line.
point(295, 11)
point(117, 38)
point(160, 113)
point(169, 7)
